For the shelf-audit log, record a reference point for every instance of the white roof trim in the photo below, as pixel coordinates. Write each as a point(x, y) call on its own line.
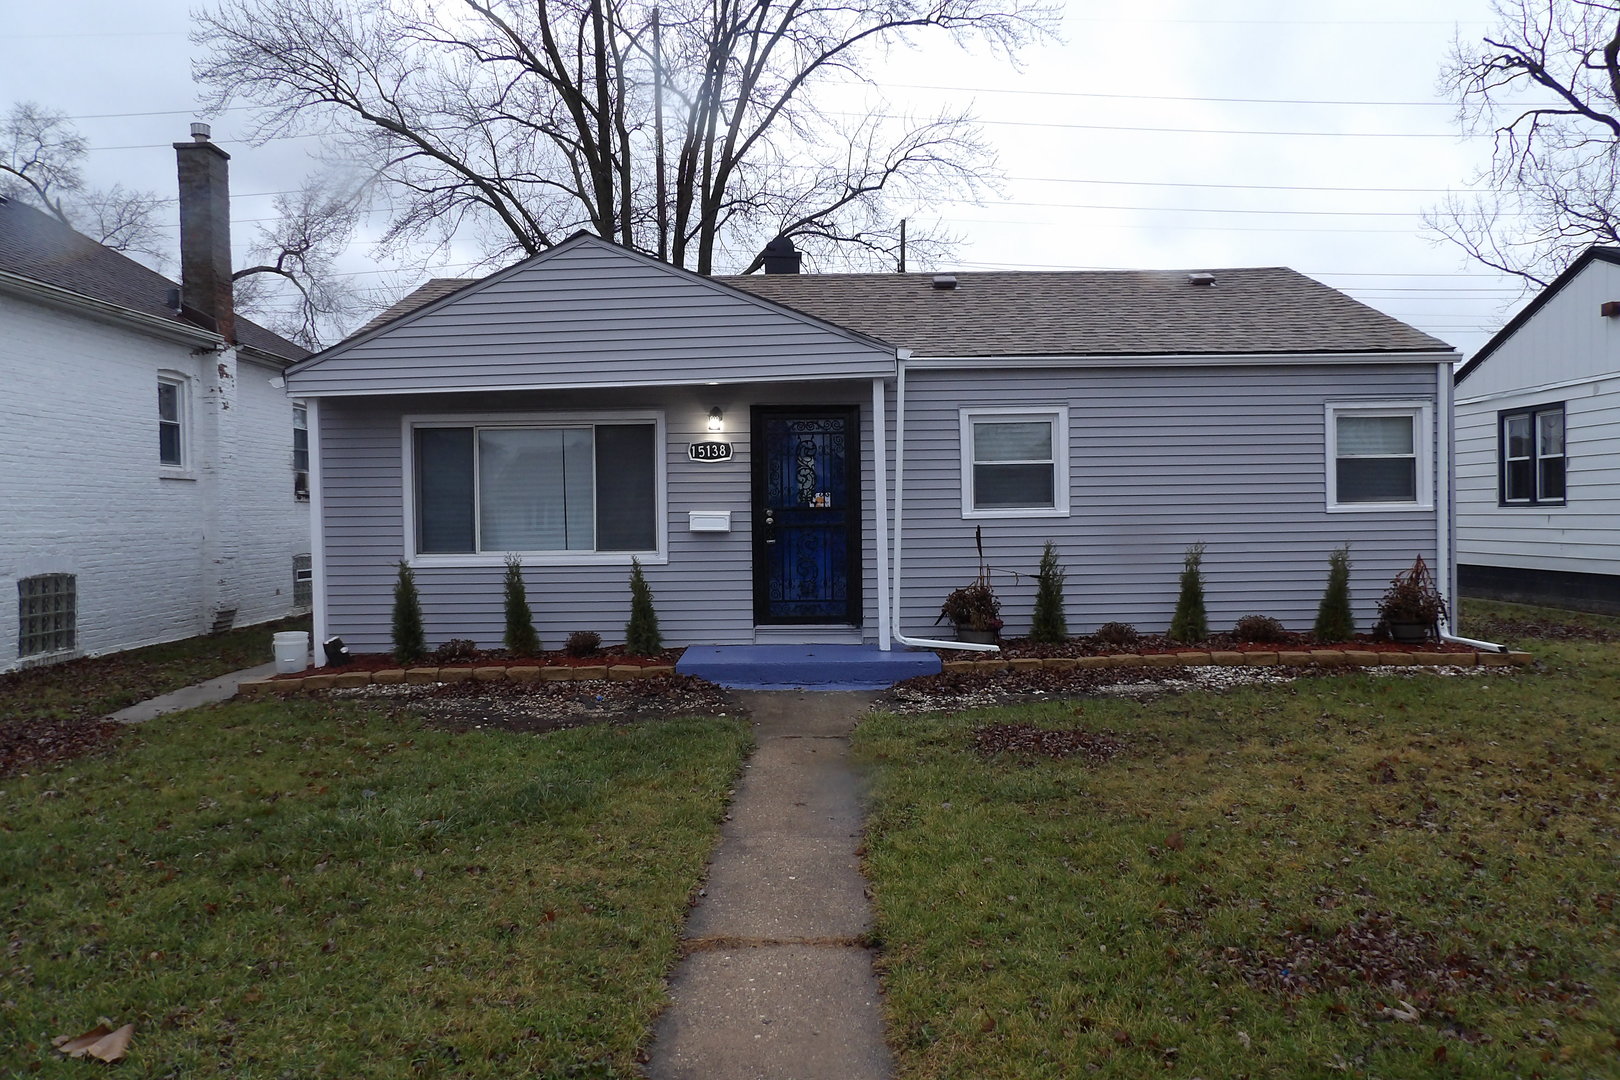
point(107, 312)
point(1184, 359)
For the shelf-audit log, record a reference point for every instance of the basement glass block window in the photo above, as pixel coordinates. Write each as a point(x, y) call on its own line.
point(303, 581)
point(47, 614)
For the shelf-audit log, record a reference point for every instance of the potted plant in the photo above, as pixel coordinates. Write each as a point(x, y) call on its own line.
point(1412, 606)
point(975, 612)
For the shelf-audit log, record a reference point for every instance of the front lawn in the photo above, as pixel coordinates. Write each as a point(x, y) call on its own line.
point(1393, 876)
point(307, 889)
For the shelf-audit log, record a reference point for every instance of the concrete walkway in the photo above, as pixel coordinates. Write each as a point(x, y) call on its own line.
point(205, 693)
point(777, 982)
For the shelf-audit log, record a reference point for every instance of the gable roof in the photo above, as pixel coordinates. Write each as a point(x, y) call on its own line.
point(1098, 313)
point(37, 246)
point(1528, 312)
point(1074, 313)
point(588, 313)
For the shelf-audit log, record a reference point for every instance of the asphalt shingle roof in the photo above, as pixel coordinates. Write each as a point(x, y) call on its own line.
point(35, 245)
point(1096, 313)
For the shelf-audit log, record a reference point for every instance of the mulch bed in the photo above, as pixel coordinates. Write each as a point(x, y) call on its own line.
point(1155, 644)
point(611, 655)
point(34, 741)
point(543, 706)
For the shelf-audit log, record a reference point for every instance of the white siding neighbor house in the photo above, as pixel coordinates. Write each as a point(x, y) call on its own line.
point(808, 457)
point(1538, 447)
point(151, 483)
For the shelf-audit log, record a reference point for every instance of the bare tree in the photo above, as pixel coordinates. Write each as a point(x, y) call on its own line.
point(41, 163)
point(693, 131)
point(1545, 83)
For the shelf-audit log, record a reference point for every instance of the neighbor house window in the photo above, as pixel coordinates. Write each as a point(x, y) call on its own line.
point(1015, 462)
point(171, 421)
point(300, 455)
point(1531, 451)
point(303, 581)
point(47, 614)
point(567, 488)
point(1378, 456)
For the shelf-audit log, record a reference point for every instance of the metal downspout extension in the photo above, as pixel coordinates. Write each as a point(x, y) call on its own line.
point(901, 356)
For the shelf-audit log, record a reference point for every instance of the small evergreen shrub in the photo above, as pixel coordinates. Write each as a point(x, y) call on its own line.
point(1050, 627)
point(1191, 621)
point(1116, 633)
point(1258, 629)
point(520, 638)
point(455, 650)
point(583, 643)
point(641, 636)
point(1334, 619)
point(410, 642)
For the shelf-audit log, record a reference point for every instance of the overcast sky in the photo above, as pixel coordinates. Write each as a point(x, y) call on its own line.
point(1188, 135)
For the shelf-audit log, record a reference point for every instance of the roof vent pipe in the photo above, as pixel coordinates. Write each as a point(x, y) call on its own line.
point(944, 281)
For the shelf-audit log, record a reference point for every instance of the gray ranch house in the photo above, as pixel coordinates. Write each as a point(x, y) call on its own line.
point(807, 457)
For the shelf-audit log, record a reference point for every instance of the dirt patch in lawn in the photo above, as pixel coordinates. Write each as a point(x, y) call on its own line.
point(35, 741)
point(1026, 740)
point(543, 706)
point(1380, 951)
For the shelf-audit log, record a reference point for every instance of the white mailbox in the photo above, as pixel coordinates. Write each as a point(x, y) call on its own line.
point(709, 521)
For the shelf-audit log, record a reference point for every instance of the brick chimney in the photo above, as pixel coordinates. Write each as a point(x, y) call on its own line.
point(205, 233)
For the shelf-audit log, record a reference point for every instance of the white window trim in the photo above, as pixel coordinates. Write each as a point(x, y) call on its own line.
point(1422, 415)
point(182, 384)
point(658, 557)
point(1058, 416)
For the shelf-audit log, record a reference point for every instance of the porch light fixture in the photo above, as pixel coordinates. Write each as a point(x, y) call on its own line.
point(717, 419)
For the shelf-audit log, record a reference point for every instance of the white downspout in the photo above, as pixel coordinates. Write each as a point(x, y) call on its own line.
point(1445, 531)
point(317, 538)
point(901, 356)
point(880, 472)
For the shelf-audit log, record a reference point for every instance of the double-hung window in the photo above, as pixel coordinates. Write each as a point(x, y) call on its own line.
point(1378, 456)
point(1531, 452)
point(1015, 462)
point(171, 402)
point(300, 452)
point(567, 489)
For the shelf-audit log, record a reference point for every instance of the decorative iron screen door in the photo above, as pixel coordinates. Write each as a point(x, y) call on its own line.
point(807, 515)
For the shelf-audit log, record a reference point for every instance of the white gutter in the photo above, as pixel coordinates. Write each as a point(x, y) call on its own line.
point(901, 356)
point(89, 305)
point(880, 473)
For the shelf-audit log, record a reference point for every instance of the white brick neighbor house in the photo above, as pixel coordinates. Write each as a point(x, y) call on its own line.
point(150, 488)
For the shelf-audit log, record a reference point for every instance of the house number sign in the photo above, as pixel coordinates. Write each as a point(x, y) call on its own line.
point(709, 451)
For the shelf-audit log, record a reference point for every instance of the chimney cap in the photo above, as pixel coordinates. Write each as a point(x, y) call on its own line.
point(201, 131)
point(944, 281)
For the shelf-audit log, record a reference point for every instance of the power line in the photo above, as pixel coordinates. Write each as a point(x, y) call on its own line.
point(1169, 97)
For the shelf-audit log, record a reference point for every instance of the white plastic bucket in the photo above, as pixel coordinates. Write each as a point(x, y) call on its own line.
point(292, 652)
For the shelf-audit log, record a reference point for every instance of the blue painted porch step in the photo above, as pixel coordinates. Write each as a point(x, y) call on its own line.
point(811, 667)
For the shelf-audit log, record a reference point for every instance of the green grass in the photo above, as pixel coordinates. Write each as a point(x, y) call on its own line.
point(1042, 918)
point(95, 686)
point(311, 889)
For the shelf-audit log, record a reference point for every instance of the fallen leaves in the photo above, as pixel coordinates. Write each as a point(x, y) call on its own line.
point(37, 740)
point(100, 1042)
point(1026, 739)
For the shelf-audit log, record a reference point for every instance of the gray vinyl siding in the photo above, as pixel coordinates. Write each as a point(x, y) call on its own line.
point(704, 594)
point(588, 314)
point(1160, 458)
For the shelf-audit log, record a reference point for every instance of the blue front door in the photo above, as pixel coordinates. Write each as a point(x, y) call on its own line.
point(807, 515)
